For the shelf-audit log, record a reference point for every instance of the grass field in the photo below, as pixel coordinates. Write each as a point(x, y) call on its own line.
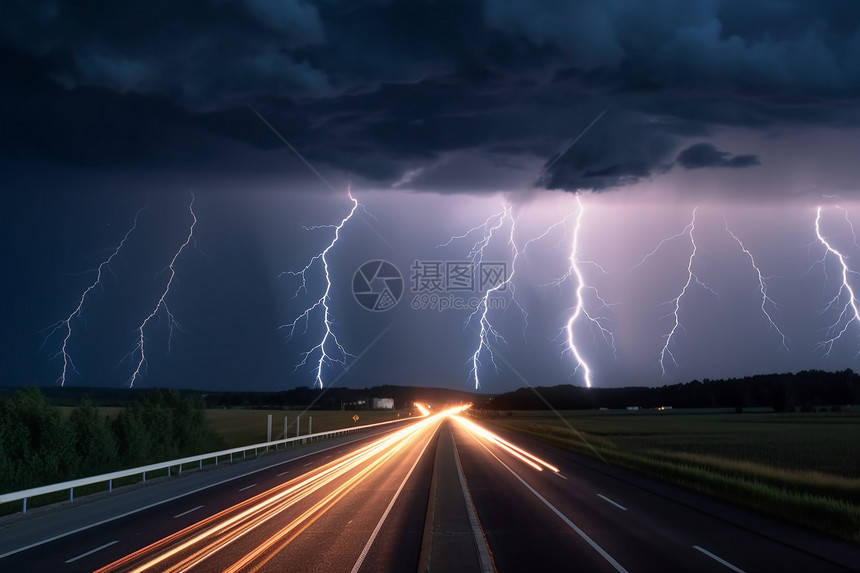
point(243, 427)
point(802, 467)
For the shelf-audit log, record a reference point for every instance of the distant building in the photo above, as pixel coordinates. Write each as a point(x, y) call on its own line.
point(383, 403)
point(632, 407)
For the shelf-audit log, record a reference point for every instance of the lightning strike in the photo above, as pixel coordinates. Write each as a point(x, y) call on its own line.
point(77, 313)
point(574, 272)
point(486, 328)
point(848, 312)
point(688, 231)
point(140, 347)
point(762, 287)
point(331, 351)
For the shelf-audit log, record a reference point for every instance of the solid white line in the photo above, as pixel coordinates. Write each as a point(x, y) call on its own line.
point(174, 498)
point(382, 519)
point(187, 512)
point(719, 560)
point(248, 487)
point(82, 555)
point(618, 505)
point(283, 473)
point(563, 517)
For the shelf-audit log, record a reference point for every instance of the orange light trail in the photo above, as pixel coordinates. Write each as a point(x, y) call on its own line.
point(213, 534)
point(193, 547)
point(530, 459)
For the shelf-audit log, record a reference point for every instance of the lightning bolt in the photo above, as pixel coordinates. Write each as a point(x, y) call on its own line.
point(77, 313)
point(688, 231)
point(140, 347)
point(486, 329)
point(574, 272)
point(849, 312)
point(762, 287)
point(330, 349)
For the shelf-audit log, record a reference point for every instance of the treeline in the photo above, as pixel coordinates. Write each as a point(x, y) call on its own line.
point(804, 391)
point(39, 445)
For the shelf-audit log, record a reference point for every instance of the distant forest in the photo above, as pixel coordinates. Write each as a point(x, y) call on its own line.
point(810, 390)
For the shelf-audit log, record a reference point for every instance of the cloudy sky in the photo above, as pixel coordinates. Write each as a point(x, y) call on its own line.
point(649, 173)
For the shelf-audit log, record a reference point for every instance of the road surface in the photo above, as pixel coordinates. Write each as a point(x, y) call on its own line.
point(439, 494)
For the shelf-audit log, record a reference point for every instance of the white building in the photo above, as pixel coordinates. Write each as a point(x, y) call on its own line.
point(383, 403)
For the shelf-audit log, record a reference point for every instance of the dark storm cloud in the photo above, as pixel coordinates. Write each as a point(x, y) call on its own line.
point(706, 155)
point(382, 88)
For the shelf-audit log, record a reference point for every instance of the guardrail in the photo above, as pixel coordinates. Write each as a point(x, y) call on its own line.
point(109, 478)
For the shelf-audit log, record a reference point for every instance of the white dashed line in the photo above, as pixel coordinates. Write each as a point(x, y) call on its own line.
point(97, 549)
point(719, 560)
point(618, 505)
point(248, 487)
point(282, 474)
point(187, 512)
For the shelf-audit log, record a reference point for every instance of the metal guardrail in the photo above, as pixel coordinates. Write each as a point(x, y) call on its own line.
point(70, 485)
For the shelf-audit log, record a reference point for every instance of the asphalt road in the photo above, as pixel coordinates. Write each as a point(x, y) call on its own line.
point(436, 496)
point(592, 516)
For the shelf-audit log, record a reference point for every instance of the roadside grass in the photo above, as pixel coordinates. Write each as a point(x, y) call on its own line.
point(804, 468)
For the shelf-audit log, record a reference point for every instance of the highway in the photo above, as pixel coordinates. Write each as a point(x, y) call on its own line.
point(438, 494)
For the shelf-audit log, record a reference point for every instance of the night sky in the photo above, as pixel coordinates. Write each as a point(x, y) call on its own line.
point(720, 126)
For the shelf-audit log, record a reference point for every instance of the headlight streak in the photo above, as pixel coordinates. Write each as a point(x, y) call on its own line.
point(530, 459)
point(220, 530)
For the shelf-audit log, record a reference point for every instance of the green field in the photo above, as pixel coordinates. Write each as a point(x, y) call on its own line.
point(244, 427)
point(802, 467)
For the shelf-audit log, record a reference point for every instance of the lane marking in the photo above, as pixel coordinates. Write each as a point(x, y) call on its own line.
point(175, 497)
point(187, 512)
point(283, 473)
point(616, 504)
point(88, 553)
point(562, 516)
point(307, 464)
point(719, 560)
point(484, 556)
point(248, 487)
point(382, 519)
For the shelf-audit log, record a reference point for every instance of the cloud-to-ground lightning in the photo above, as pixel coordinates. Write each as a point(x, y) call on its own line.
point(139, 349)
point(845, 299)
point(574, 272)
point(331, 351)
point(762, 287)
point(485, 327)
point(77, 313)
point(688, 231)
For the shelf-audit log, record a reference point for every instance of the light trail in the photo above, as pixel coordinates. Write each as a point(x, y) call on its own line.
point(521, 454)
point(162, 303)
point(762, 287)
point(77, 313)
point(574, 272)
point(191, 547)
point(331, 351)
point(848, 312)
